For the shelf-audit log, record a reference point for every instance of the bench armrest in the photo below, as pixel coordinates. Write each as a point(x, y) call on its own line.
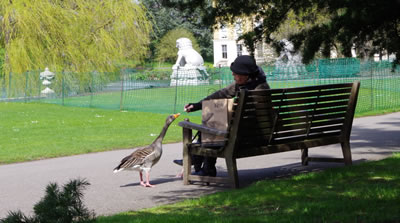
point(202, 128)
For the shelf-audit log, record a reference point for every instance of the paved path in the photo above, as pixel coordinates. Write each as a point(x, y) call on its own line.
point(22, 185)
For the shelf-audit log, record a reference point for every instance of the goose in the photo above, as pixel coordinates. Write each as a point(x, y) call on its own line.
point(143, 159)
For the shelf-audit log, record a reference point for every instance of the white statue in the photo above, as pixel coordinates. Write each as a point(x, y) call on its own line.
point(288, 54)
point(288, 64)
point(189, 67)
point(187, 56)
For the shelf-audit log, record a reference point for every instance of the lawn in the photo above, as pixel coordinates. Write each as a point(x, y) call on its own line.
point(362, 193)
point(376, 94)
point(32, 131)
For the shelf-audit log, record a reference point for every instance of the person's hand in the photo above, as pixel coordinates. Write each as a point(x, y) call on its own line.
point(188, 107)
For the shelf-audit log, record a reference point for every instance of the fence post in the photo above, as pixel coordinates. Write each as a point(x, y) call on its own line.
point(176, 88)
point(39, 84)
point(9, 85)
point(62, 87)
point(121, 103)
point(372, 86)
point(26, 85)
point(91, 90)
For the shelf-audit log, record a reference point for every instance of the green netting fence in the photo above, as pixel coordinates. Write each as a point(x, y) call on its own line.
point(162, 91)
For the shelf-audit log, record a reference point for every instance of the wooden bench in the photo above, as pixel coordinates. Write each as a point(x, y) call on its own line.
point(278, 120)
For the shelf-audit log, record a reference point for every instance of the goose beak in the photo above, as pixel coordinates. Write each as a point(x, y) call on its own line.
point(177, 115)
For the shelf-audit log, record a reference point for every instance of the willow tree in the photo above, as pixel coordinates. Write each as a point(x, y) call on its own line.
point(72, 35)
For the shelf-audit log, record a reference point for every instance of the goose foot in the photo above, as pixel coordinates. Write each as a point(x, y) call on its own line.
point(180, 174)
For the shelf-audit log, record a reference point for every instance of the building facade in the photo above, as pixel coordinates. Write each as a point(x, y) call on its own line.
point(227, 47)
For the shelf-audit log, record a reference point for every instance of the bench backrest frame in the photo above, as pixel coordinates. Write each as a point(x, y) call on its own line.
point(343, 119)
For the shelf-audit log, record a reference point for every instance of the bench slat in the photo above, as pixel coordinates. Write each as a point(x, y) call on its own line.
point(313, 124)
point(314, 100)
point(311, 106)
point(321, 117)
point(309, 94)
point(311, 112)
point(299, 89)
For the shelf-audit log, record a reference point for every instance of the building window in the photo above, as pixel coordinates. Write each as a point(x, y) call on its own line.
point(239, 49)
point(224, 51)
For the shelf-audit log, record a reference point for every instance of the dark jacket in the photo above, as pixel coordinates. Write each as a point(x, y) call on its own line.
point(257, 81)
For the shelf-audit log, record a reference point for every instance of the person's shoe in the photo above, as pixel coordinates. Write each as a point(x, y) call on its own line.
point(178, 162)
point(211, 173)
point(199, 173)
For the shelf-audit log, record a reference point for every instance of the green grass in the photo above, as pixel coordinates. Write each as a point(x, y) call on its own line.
point(32, 131)
point(369, 192)
point(378, 94)
point(160, 100)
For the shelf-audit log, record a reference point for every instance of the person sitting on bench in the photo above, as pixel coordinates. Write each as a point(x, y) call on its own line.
point(247, 75)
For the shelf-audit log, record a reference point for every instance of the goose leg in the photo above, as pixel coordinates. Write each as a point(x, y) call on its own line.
point(141, 179)
point(148, 180)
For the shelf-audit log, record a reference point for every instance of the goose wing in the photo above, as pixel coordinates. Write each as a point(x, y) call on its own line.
point(138, 157)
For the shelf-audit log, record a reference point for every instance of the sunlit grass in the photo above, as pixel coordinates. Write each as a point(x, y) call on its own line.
point(376, 95)
point(32, 131)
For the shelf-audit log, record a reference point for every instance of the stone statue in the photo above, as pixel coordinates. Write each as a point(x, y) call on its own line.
point(47, 76)
point(187, 56)
point(288, 64)
point(189, 66)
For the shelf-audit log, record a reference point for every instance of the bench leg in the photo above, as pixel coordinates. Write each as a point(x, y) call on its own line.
point(304, 156)
point(187, 157)
point(187, 167)
point(346, 152)
point(232, 171)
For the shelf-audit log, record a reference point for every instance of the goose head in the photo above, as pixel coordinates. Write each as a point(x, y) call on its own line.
point(171, 118)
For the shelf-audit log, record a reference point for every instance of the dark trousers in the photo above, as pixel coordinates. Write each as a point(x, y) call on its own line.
point(207, 164)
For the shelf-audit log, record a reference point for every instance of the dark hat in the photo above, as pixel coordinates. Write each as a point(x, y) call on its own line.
point(244, 65)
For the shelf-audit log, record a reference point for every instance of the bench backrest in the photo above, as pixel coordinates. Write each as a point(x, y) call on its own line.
point(292, 115)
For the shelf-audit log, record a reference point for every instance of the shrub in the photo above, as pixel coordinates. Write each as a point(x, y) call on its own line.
point(58, 205)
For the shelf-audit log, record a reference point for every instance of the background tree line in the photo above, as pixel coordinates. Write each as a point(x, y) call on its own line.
point(82, 36)
point(370, 26)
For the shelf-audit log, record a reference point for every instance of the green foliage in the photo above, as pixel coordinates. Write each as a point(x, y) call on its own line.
point(58, 205)
point(151, 75)
point(64, 205)
point(17, 217)
point(166, 49)
point(166, 19)
point(72, 35)
point(369, 24)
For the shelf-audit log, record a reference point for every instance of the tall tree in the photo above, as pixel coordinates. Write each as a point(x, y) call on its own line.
point(166, 19)
point(73, 35)
point(351, 22)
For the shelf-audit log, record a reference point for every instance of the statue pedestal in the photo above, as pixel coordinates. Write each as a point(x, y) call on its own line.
point(188, 76)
